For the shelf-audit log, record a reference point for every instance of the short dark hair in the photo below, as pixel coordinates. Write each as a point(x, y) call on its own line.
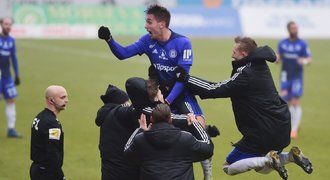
point(246, 44)
point(160, 13)
point(161, 113)
point(289, 24)
point(152, 89)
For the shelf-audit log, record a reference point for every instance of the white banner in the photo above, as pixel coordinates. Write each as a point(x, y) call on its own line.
point(55, 31)
point(270, 22)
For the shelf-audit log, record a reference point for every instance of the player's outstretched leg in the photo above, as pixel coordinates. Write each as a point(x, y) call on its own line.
point(276, 164)
point(301, 160)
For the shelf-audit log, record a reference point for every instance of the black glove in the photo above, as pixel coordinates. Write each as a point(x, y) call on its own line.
point(104, 33)
point(17, 81)
point(213, 131)
point(181, 74)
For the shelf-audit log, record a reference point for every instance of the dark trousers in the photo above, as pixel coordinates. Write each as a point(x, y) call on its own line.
point(38, 172)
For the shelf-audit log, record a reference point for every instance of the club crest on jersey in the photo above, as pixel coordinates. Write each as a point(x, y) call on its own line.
point(173, 53)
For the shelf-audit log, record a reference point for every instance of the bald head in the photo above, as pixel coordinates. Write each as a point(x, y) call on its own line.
point(56, 98)
point(53, 90)
point(6, 24)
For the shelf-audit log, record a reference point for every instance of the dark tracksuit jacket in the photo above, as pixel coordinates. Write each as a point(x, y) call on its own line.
point(167, 153)
point(116, 123)
point(261, 115)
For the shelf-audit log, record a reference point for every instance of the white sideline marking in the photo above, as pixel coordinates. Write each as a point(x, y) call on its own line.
point(77, 52)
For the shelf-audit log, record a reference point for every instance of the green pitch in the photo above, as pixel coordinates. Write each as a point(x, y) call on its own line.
point(86, 67)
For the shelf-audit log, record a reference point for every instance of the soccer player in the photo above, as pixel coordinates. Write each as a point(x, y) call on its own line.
point(47, 137)
point(166, 50)
point(261, 115)
point(294, 54)
point(7, 57)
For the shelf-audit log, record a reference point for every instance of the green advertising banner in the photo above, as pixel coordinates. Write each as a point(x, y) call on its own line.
point(122, 20)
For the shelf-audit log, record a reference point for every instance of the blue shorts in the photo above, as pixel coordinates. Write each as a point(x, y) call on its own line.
point(187, 104)
point(236, 155)
point(7, 88)
point(294, 88)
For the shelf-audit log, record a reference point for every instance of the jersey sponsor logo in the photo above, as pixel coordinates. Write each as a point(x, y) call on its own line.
point(54, 133)
point(155, 51)
point(35, 123)
point(173, 53)
point(187, 55)
point(161, 67)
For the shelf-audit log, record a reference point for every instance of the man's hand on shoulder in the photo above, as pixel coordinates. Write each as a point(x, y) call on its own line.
point(104, 33)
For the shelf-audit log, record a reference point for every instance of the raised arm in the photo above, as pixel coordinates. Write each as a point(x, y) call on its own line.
point(119, 51)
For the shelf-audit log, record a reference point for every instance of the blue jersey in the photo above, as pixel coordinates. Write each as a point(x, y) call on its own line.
point(7, 53)
point(164, 56)
point(290, 52)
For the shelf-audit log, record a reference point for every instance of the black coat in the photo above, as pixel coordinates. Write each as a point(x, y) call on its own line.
point(116, 124)
point(166, 152)
point(261, 115)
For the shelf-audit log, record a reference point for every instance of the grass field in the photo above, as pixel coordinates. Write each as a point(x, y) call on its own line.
point(85, 67)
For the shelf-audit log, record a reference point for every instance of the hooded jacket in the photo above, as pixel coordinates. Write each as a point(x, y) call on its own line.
point(166, 152)
point(261, 115)
point(117, 123)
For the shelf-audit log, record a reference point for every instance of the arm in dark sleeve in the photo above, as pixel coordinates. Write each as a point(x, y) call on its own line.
point(130, 149)
point(127, 116)
point(53, 149)
point(227, 88)
point(14, 60)
point(178, 120)
point(125, 52)
point(201, 145)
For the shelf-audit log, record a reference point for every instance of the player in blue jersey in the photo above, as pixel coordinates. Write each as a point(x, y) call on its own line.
point(8, 90)
point(166, 51)
point(294, 54)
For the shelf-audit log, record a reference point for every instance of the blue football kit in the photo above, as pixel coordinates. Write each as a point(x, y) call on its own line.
point(165, 57)
point(8, 57)
point(292, 71)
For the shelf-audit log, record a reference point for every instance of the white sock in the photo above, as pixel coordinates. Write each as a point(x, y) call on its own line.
point(293, 114)
point(297, 118)
point(286, 158)
point(244, 165)
point(207, 169)
point(11, 115)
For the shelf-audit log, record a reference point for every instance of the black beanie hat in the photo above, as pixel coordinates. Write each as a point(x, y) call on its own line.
point(136, 89)
point(114, 95)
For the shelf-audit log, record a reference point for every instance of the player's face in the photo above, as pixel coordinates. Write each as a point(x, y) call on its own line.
point(293, 30)
point(153, 27)
point(6, 26)
point(237, 53)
